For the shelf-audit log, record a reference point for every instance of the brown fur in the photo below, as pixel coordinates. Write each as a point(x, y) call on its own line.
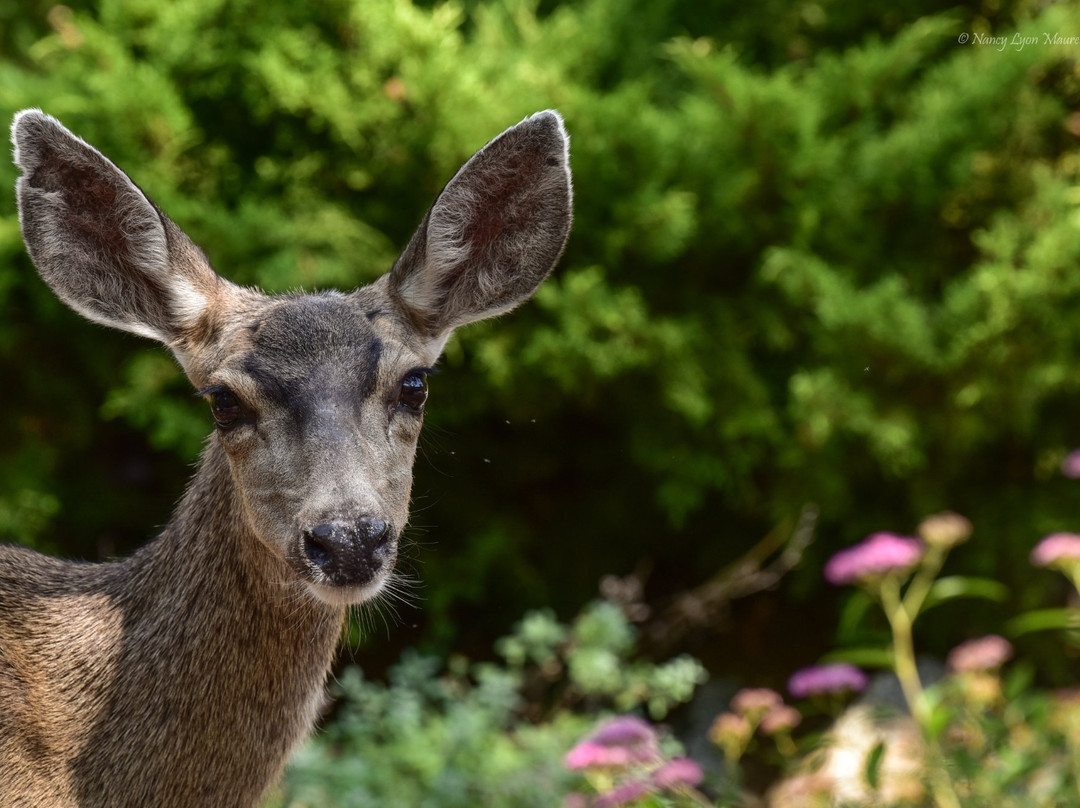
point(184, 674)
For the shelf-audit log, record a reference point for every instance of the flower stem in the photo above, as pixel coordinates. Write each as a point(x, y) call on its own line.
point(786, 746)
point(900, 622)
point(907, 672)
point(1073, 574)
point(924, 578)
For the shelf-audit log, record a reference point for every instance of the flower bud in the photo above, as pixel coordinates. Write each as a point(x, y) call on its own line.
point(945, 530)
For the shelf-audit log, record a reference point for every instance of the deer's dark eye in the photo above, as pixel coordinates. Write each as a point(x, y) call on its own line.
point(225, 407)
point(413, 390)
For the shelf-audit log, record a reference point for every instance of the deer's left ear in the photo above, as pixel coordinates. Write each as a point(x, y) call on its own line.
point(99, 242)
point(493, 234)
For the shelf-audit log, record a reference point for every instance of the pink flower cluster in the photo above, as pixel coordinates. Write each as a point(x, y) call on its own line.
point(877, 555)
point(628, 747)
point(982, 654)
point(1056, 548)
point(755, 701)
point(676, 773)
point(821, 680)
point(616, 744)
point(756, 709)
point(762, 708)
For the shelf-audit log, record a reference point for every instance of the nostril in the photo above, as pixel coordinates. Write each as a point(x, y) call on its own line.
point(373, 529)
point(316, 549)
point(323, 531)
point(320, 541)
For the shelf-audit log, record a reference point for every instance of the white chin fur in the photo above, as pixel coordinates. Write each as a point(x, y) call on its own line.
point(348, 595)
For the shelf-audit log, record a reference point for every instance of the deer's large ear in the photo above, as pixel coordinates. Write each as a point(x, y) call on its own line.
point(493, 234)
point(103, 247)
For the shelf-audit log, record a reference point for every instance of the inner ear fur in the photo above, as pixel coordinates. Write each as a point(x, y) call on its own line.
point(96, 239)
point(493, 234)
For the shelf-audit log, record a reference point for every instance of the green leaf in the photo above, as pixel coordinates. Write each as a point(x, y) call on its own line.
point(963, 586)
point(862, 657)
point(1019, 679)
point(1043, 620)
point(852, 616)
point(873, 765)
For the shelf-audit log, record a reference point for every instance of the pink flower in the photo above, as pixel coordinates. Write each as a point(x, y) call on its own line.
point(818, 680)
point(755, 701)
point(983, 654)
point(1070, 466)
point(678, 772)
point(878, 554)
point(589, 755)
point(624, 730)
point(1055, 549)
point(624, 794)
point(615, 744)
point(782, 718)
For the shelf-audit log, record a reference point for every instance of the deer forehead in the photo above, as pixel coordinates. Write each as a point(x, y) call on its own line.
point(306, 348)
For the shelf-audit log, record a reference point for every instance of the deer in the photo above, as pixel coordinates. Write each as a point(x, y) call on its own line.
point(185, 673)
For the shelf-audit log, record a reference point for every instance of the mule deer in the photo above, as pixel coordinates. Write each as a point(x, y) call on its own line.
point(184, 674)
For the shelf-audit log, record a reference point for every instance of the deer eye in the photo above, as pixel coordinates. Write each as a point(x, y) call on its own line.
point(225, 407)
point(414, 390)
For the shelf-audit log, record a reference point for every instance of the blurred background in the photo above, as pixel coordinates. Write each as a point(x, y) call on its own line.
point(825, 260)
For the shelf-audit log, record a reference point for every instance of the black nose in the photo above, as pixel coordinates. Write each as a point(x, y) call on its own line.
point(348, 553)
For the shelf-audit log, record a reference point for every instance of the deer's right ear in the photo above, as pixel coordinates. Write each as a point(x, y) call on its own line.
point(493, 234)
point(103, 247)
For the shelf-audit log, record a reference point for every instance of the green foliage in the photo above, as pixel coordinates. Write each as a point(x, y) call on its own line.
point(593, 655)
point(822, 253)
point(455, 737)
point(1003, 743)
point(984, 733)
point(1018, 750)
point(424, 740)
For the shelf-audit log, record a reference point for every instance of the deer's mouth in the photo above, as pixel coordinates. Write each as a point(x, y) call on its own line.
point(346, 561)
point(349, 595)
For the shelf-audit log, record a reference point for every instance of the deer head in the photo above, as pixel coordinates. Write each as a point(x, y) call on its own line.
point(318, 399)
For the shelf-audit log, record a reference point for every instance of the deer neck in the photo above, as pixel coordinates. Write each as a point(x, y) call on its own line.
point(222, 656)
point(222, 575)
